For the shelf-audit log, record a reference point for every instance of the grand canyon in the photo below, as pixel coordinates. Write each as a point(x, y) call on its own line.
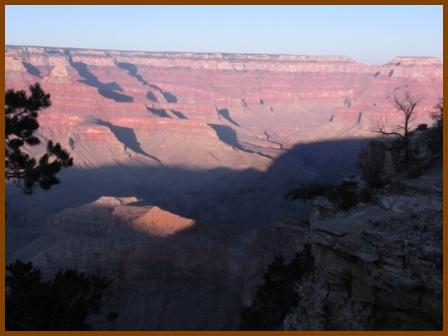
point(181, 166)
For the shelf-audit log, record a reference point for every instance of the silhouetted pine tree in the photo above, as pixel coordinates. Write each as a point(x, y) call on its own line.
point(62, 303)
point(21, 112)
point(277, 296)
point(67, 299)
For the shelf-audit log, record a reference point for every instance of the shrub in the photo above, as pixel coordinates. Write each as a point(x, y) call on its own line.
point(310, 191)
point(371, 164)
point(414, 171)
point(344, 196)
point(276, 296)
point(436, 135)
point(365, 195)
point(422, 127)
point(398, 150)
point(62, 303)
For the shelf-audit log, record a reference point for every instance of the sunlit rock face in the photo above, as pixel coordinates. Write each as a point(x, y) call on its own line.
point(162, 223)
point(181, 164)
point(171, 128)
point(167, 271)
point(161, 107)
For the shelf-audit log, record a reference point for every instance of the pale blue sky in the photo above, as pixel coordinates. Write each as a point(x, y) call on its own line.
point(370, 34)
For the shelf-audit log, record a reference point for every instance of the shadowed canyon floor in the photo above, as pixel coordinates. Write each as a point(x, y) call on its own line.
point(181, 164)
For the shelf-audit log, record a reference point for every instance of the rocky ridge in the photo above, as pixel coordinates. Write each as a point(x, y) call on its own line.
point(168, 272)
point(209, 142)
point(332, 95)
point(378, 267)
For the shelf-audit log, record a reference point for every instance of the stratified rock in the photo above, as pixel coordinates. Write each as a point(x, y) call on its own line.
point(305, 98)
point(377, 267)
point(215, 137)
point(167, 271)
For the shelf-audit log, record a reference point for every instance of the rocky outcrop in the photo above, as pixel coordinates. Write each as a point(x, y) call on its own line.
point(160, 223)
point(378, 267)
point(300, 94)
point(212, 141)
point(167, 271)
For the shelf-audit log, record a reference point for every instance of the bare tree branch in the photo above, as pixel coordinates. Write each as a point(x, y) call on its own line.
point(379, 126)
point(407, 106)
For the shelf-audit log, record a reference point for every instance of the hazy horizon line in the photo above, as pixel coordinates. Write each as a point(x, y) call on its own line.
point(218, 52)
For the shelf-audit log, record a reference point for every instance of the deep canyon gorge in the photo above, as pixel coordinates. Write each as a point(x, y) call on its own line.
point(182, 161)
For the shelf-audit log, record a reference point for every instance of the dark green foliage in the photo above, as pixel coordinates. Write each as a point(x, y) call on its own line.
point(406, 153)
point(365, 195)
point(422, 127)
point(276, 296)
point(436, 132)
point(423, 148)
point(111, 316)
point(344, 196)
point(371, 164)
point(398, 158)
point(309, 192)
point(21, 112)
point(303, 263)
point(61, 303)
point(415, 171)
point(65, 301)
point(437, 115)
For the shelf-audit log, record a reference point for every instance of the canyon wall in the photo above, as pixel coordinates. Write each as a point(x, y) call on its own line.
point(181, 164)
point(269, 102)
point(378, 266)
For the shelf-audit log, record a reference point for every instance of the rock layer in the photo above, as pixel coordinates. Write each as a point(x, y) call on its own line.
point(292, 98)
point(377, 267)
point(208, 144)
point(167, 272)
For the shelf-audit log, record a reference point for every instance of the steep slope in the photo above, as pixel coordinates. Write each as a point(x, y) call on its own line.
point(378, 267)
point(167, 271)
point(206, 144)
point(292, 98)
point(209, 112)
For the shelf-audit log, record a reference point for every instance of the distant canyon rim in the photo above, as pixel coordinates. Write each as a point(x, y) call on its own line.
point(209, 142)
